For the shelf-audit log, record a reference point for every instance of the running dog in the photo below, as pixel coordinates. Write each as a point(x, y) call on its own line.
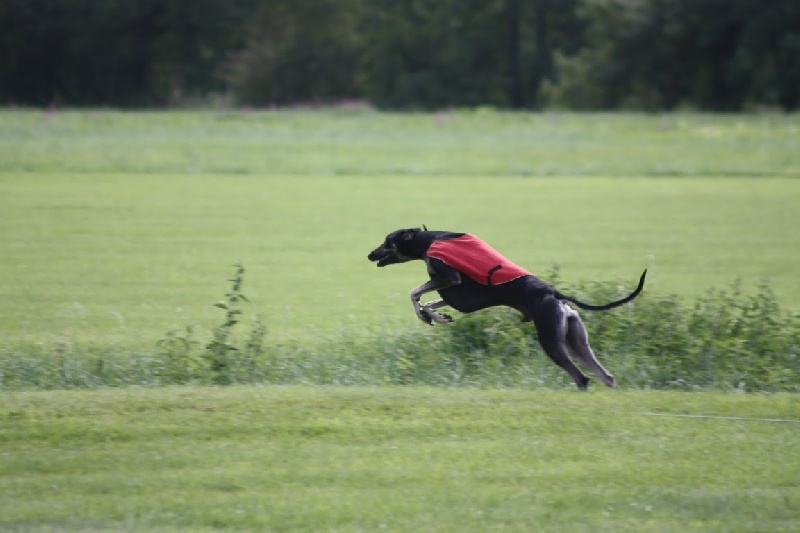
point(470, 275)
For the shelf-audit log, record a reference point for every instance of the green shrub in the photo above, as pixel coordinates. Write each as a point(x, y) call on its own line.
point(725, 340)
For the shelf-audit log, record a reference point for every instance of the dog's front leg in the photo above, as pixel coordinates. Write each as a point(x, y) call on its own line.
point(428, 313)
point(431, 309)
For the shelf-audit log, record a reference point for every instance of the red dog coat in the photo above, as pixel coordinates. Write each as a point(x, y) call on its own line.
point(473, 257)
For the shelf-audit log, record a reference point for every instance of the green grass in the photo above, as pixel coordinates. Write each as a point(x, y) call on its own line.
point(360, 142)
point(402, 459)
point(119, 227)
point(121, 258)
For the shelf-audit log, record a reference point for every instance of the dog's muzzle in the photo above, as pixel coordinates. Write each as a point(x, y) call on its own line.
point(382, 256)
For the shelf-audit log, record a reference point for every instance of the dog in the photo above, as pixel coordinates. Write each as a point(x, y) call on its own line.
point(470, 275)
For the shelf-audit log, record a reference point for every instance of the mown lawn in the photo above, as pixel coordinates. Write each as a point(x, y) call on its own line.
point(123, 258)
point(398, 459)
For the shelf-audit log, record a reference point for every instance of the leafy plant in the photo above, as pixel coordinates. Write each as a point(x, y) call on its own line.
point(180, 363)
point(181, 358)
point(220, 351)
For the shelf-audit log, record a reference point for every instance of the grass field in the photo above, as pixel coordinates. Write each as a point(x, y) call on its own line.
point(360, 142)
point(398, 459)
point(118, 226)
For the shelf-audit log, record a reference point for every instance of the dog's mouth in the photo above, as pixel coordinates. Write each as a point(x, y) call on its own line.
point(382, 257)
point(386, 259)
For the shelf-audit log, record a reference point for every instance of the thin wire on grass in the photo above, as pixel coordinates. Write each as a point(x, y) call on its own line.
point(720, 417)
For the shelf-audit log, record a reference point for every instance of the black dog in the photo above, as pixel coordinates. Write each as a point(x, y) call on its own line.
point(469, 275)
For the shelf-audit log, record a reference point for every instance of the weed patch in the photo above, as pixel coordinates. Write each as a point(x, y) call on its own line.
point(725, 340)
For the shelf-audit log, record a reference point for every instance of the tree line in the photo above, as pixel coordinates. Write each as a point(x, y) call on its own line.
point(724, 55)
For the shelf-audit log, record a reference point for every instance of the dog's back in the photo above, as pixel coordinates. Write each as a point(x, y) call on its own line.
point(476, 259)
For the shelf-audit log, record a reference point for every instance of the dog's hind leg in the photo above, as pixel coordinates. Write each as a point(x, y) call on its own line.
point(578, 344)
point(551, 326)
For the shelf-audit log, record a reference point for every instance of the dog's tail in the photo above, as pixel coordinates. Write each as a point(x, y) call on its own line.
point(611, 305)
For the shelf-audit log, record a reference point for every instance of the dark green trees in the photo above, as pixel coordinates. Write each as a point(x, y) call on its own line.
point(581, 54)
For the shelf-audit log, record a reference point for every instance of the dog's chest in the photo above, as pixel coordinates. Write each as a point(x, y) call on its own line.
point(475, 258)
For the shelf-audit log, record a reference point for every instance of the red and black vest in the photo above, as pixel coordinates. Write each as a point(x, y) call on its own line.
point(476, 259)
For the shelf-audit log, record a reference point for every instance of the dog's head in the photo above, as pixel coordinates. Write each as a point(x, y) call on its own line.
point(400, 246)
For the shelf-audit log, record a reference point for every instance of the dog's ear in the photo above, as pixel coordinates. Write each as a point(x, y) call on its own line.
point(424, 227)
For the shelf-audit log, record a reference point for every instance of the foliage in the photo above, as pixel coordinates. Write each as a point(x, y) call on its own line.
point(220, 351)
point(300, 50)
point(662, 54)
point(725, 341)
point(583, 54)
point(126, 53)
point(221, 361)
point(462, 53)
point(180, 360)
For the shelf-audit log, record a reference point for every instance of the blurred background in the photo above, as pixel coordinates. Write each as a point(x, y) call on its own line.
point(722, 55)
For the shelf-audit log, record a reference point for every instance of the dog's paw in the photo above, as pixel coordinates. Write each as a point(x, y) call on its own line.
point(424, 315)
point(435, 316)
point(441, 318)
